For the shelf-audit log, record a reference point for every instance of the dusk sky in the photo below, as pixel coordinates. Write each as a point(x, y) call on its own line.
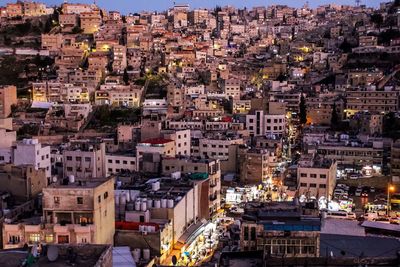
point(126, 6)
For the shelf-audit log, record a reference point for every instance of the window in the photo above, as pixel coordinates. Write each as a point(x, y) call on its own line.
point(125, 162)
point(34, 238)
point(313, 175)
point(303, 184)
point(49, 238)
point(78, 158)
point(303, 174)
point(99, 199)
point(69, 158)
point(87, 159)
point(313, 185)
point(117, 161)
point(2, 158)
point(322, 176)
point(69, 169)
point(79, 200)
point(105, 195)
point(110, 161)
point(56, 200)
point(63, 239)
point(322, 186)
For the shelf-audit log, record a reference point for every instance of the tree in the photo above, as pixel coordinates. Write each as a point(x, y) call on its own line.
point(125, 77)
point(334, 117)
point(303, 110)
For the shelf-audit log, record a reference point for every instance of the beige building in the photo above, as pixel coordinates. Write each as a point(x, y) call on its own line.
point(85, 159)
point(182, 140)
point(371, 100)
point(316, 177)
point(52, 42)
point(22, 182)
point(74, 212)
point(255, 165)
point(90, 22)
point(8, 97)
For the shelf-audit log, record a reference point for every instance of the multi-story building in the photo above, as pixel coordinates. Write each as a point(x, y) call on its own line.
point(74, 212)
point(52, 42)
point(31, 152)
point(395, 162)
point(22, 182)
point(121, 162)
point(371, 100)
point(90, 21)
point(260, 123)
point(316, 177)
point(255, 165)
point(231, 88)
point(8, 98)
point(85, 159)
point(181, 138)
point(281, 229)
point(215, 147)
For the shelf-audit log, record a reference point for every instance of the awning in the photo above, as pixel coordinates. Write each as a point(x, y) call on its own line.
point(192, 233)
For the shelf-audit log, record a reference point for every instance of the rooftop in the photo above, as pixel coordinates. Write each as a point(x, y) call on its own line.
point(156, 141)
point(84, 255)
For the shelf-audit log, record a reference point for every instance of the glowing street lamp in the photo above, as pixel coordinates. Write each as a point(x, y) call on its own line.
point(390, 189)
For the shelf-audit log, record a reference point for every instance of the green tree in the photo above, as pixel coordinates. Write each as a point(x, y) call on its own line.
point(125, 77)
point(303, 110)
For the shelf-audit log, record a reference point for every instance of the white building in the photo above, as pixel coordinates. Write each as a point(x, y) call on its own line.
point(116, 163)
point(260, 124)
point(30, 151)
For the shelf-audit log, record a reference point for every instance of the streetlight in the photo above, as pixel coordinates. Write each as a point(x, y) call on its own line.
point(390, 189)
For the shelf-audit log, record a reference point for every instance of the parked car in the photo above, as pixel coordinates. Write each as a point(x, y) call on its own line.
point(358, 192)
point(364, 194)
point(372, 189)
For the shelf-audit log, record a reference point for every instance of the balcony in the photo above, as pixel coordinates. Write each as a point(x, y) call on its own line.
point(32, 228)
point(61, 228)
point(82, 229)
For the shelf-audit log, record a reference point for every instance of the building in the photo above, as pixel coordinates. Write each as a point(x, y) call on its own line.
point(8, 98)
point(22, 182)
point(121, 162)
point(255, 165)
point(85, 159)
point(192, 166)
point(74, 212)
point(260, 123)
point(90, 22)
point(182, 140)
point(31, 152)
point(371, 100)
point(395, 162)
point(316, 177)
point(280, 229)
point(52, 42)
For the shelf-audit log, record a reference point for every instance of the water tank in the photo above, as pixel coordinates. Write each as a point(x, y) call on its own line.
point(136, 254)
point(157, 204)
point(142, 228)
point(122, 199)
point(144, 205)
point(137, 205)
point(170, 203)
point(146, 254)
point(151, 229)
point(34, 141)
point(163, 203)
point(71, 179)
point(176, 175)
point(130, 206)
point(116, 198)
point(155, 186)
point(149, 203)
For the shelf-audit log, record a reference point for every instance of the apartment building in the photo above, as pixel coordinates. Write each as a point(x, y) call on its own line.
point(187, 165)
point(90, 21)
point(255, 166)
point(261, 123)
point(52, 42)
point(316, 177)
point(231, 88)
point(8, 98)
point(121, 162)
point(395, 162)
point(75, 8)
point(119, 61)
point(182, 140)
point(302, 232)
point(74, 212)
point(371, 100)
point(31, 152)
point(216, 147)
point(85, 159)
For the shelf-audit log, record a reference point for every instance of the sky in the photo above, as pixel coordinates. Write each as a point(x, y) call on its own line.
point(130, 6)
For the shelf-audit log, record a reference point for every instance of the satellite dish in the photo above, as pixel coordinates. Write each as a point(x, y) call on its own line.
point(52, 253)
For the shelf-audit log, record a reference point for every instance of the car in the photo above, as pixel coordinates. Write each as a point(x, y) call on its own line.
point(354, 176)
point(394, 221)
point(364, 194)
point(358, 192)
point(372, 189)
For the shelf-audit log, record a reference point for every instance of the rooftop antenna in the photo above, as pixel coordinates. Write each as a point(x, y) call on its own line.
point(358, 2)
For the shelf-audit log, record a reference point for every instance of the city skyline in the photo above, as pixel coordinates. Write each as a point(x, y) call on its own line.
point(126, 7)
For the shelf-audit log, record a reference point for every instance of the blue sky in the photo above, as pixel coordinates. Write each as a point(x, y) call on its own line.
point(126, 6)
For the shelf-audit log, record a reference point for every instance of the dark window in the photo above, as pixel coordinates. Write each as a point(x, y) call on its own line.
point(79, 200)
